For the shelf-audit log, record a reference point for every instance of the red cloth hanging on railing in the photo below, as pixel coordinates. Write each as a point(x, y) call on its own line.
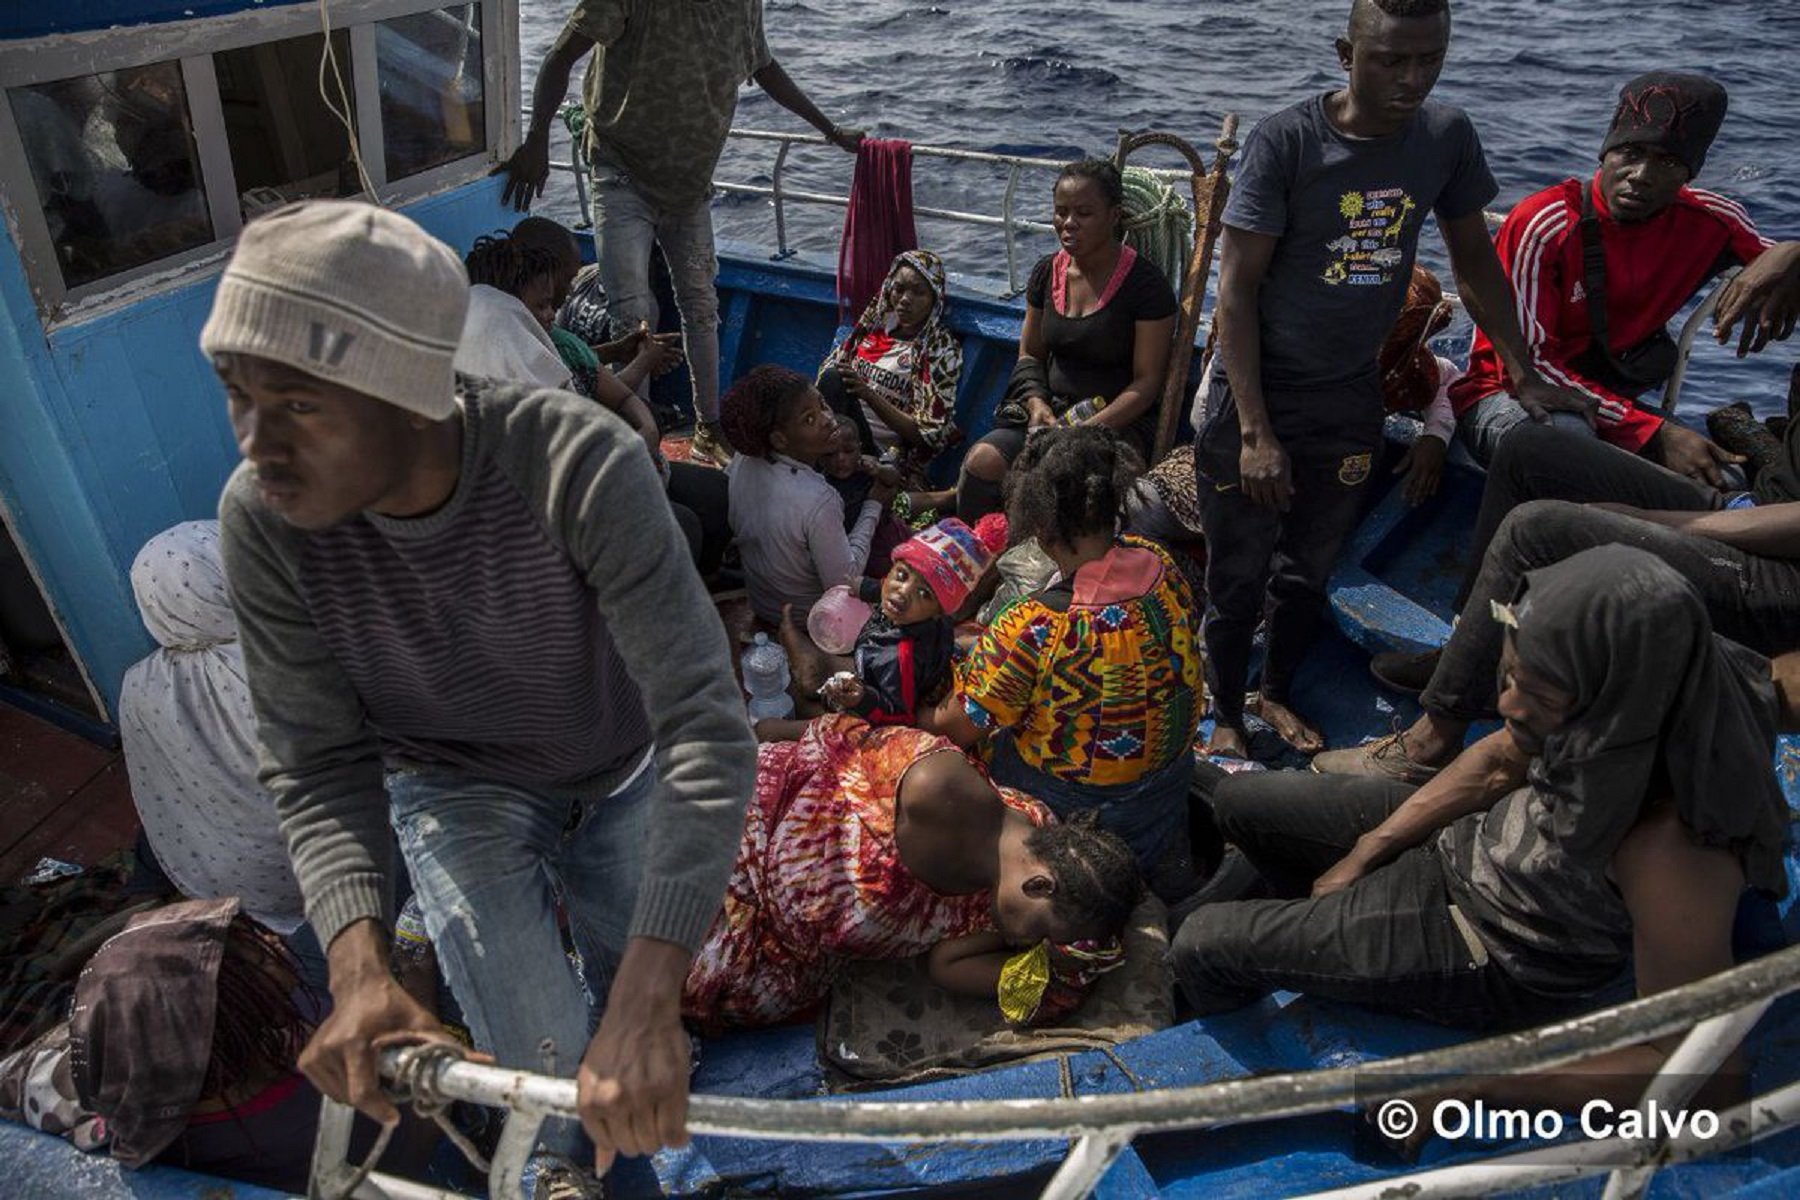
point(878, 224)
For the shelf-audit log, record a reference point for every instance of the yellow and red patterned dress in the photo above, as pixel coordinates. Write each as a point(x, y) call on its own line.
point(819, 877)
point(1098, 679)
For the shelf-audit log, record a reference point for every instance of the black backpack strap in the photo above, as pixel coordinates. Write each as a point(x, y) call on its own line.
point(1593, 277)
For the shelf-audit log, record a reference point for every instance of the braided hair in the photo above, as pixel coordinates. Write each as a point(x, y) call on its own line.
point(509, 263)
point(754, 406)
point(1097, 881)
point(1069, 482)
point(259, 1027)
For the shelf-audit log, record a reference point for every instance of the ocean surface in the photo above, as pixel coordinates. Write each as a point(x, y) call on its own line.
point(1059, 79)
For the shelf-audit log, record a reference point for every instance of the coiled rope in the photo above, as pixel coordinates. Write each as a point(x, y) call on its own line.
point(1158, 223)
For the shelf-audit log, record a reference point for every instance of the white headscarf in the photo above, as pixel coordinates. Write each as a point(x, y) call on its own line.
point(502, 340)
point(190, 735)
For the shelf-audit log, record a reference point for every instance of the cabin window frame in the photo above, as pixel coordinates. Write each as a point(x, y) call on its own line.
point(192, 44)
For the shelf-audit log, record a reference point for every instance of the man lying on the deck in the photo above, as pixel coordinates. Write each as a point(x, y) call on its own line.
point(455, 608)
point(1617, 817)
point(1660, 241)
point(1321, 232)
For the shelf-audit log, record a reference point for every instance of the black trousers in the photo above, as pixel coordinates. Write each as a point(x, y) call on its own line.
point(1261, 562)
point(701, 498)
point(1541, 462)
point(1388, 941)
point(1752, 600)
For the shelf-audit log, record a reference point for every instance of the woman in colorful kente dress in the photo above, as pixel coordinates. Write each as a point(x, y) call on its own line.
point(1087, 691)
point(895, 374)
point(887, 843)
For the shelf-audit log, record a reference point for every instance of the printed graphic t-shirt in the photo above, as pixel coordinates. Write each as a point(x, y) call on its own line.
point(886, 364)
point(1347, 212)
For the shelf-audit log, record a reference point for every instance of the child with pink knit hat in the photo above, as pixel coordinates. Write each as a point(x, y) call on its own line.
point(901, 658)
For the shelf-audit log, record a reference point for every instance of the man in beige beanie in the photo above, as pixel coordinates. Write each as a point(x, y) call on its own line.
point(469, 619)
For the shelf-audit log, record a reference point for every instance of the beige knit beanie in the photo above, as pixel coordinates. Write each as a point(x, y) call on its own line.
point(350, 293)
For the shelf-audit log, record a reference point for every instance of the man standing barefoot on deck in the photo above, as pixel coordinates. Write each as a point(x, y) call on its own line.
point(659, 97)
point(1321, 232)
point(458, 610)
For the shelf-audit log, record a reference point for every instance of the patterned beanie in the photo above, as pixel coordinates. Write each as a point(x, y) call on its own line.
point(350, 293)
point(951, 558)
point(1678, 114)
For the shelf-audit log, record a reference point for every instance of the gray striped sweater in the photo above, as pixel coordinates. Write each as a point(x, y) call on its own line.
point(543, 628)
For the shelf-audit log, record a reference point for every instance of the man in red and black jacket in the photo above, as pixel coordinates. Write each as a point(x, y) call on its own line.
point(1651, 242)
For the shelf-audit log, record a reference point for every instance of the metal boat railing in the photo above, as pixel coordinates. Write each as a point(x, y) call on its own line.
point(1716, 1013)
point(1007, 220)
point(781, 192)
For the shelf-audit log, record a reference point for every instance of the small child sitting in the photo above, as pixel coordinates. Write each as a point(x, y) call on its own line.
point(901, 658)
point(854, 475)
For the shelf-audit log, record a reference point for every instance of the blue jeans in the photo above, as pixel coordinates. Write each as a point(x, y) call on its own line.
point(489, 862)
point(1493, 417)
point(625, 227)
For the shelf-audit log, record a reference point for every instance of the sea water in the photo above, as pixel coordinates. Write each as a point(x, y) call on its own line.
point(1059, 79)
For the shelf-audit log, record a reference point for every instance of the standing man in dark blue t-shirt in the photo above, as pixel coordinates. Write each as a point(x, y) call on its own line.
point(1321, 232)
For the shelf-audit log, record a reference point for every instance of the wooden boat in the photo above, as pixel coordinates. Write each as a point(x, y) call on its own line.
point(115, 429)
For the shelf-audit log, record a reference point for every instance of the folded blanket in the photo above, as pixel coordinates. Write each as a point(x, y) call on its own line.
point(886, 1023)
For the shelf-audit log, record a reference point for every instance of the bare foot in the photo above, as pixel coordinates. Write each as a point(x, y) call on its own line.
point(1288, 724)
point(1228, 743)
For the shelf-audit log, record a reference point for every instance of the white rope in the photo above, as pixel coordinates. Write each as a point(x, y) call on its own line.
point(329, 59)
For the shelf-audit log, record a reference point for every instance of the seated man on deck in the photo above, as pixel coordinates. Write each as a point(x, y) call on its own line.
point(456, 614)
point(1743, 562)
point(1616, 819)
point(1603, 264)
point(1650, 154)
point(1321, 232)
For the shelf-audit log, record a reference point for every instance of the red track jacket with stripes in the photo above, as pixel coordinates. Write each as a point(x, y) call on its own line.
point(1653, 268)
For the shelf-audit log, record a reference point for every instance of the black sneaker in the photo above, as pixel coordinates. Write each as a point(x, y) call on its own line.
point(1403, 670)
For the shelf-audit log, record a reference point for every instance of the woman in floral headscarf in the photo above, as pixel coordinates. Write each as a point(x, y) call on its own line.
point(895, 374)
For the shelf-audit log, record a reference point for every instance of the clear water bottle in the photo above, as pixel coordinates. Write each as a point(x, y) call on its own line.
point(766, 678)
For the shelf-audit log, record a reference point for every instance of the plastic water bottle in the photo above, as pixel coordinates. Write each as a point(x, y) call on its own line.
point(766, 678)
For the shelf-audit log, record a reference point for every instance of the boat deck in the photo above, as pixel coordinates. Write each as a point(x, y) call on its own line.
point(61, 796)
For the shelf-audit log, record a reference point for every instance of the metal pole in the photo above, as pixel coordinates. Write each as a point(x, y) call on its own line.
point(1086, 1165)
point(1266, 1096)
point(518, 1138)
point(781, 246)
point(331, 1167)
point(1706, 1046)
point(1006, 215)
point(1684, 345)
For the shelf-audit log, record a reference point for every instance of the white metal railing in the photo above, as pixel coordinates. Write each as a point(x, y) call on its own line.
point(1716, 1012)
point(1011, 224)
point(781, 193)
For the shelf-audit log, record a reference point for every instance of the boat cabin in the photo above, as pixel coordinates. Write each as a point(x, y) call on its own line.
point(136, 138)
